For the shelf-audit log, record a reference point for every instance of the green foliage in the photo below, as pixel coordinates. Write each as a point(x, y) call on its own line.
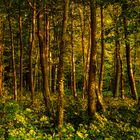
point(22, 121)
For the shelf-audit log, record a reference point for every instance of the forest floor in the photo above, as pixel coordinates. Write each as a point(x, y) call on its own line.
point(25, 121)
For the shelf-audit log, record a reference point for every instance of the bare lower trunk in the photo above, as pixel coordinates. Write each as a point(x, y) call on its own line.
point(83, 49)
point(21, 52)
point(122, 77)
point(31, 76)
point(92, 68)
point(100, 103)
point(1, 55)
point(13, 59)
point(60, 67)
point(73, 76)
point(43, 45)
point(128, 58)
point(117, 67)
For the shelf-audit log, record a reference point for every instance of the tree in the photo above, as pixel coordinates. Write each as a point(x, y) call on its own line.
point(61, 65)
point(128, 54)
point(31, 49)
point(12, 51)
point(92, 67)
point(100, 103)
point(43, 46)
point(117, 55)
point(21, 50)
point(73, 77)
point(2, 27)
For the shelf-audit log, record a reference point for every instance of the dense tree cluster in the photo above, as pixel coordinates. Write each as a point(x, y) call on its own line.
point(87, 48)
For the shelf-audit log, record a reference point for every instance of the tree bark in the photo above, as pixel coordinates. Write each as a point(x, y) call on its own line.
point(21, 51)
point(13, 57)
point(101, 76)
point(31, 50)
point(81, 10)
point(73, 76)
point(61, 65)
point(2, 28)
point(92, 67)
point(128, 56)
point(122, 77)
point(43, 45)
point(117, 65)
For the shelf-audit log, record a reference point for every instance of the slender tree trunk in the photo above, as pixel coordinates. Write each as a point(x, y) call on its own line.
point(50, 70)
point(21, 52)
point(100, 86)
point(60, 67)
point(122, 77)
point(128, 57)
point(87, 64)
point(54, 78)
point(92, 68)
point(1, 68)
point(13, 58)
point(31, 50)
point(135, 55)
point(102, 52)
point(36, 68)
point(83, 48)
point(73, 76)
point(54, 60)
point(1, 55)
point(117, 65)
point(44, 61)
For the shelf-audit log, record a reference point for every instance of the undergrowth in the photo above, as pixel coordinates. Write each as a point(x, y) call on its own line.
point(25, 121)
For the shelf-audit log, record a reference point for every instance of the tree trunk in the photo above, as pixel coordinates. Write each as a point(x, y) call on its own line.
point(60, 67)
point(54, 59)
point(100, 103)
point(122, 77)
point(21, 51)
point(92, 68)
point(13, 58)
point(1, 55)
point(31, 50)
point(83, 49)
point(128, 56)
point(102, 52)
point(117, 65)
point(54, 78)
point(73, 77)
point(44, 61)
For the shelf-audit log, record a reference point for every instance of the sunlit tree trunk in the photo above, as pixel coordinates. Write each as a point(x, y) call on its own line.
point(21, 51)
point(54, 60)
point(73, 76)
point(100, 86)
point(31, 50)
point(92, 67)
point(87, 58)
point(102, 52)
point(81, 10)
point(54, 78)
point(43, 45)
point(61, 65)
point(128, 56)
point(117, 65)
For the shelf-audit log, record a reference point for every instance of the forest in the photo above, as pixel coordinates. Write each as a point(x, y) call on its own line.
point(69, 70)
